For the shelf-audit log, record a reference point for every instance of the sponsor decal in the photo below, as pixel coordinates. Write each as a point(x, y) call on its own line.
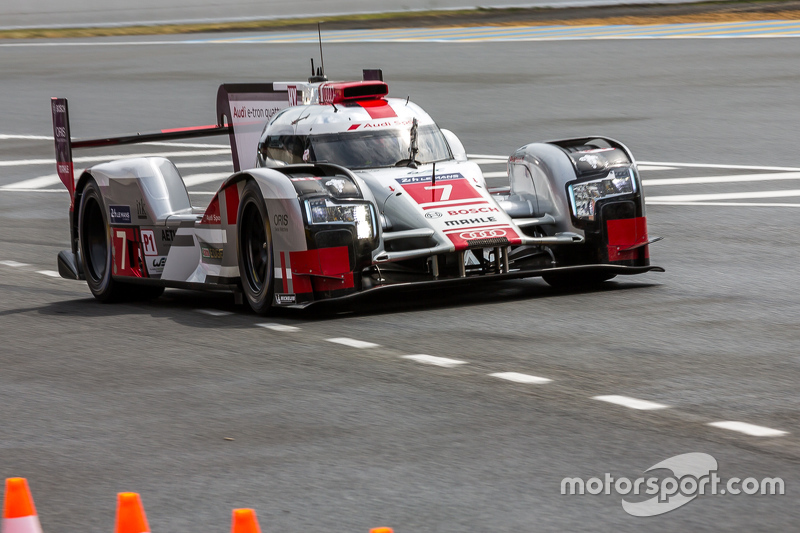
point(280, 222)
point(482, 234)
point(212, 215)
point(420, 179)
point(141, 209)
point(167, 235)
point(258, 111)
point(470, 222)
point(155, 265)
point(338, 184)
point(285, 299)
point(473, 211)
point(381, 124)
point(211, 253)
point(119, 214)
point(292, 90)
point(433, 214)
point(149, 242)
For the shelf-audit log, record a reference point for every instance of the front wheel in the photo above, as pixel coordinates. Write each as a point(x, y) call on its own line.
point(255, 249)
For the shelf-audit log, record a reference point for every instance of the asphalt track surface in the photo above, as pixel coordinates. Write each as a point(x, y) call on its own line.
point(97, 399)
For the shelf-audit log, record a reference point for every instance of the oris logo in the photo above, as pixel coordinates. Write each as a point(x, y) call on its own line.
point(433, 214)
point(482, 234)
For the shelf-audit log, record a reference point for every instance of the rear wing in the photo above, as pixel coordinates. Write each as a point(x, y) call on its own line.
point(243, 110)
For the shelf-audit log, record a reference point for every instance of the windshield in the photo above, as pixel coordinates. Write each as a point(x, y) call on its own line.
point(381, 148)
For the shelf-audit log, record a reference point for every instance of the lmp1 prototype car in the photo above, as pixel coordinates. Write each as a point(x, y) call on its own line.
point(339, 190)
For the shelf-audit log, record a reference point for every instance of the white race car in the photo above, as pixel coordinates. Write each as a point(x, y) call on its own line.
point(339, 190)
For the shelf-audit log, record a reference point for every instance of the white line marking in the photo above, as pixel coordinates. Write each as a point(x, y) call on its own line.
point(483, 156)
point(205, 164)
point(495, 174)
point(432, 360)
point(749, 429)
point(789, 193)
point(7, 137)
point(214, 312)
point(3, 189)
point(278, 327)
point(724, 167)
point(649, 168)
point(51, 273)
point(34, 183)
point(198, 179)
point(488, 161)
point(632, 403)
point(353, 343)
point(14, 264)
point(185, 145)
point(521, 378)
point(738, 178)
point(725, 204)
point(91, 159)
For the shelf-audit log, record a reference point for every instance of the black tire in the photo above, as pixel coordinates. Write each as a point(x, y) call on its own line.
point(94, 236)
point(576, 279)
point(255, 250)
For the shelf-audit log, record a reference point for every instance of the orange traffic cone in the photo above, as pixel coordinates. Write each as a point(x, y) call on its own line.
point(130, 514)
point(245, 521)
point(19, 514)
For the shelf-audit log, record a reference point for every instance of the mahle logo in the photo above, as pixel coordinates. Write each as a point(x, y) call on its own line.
point(693, 474)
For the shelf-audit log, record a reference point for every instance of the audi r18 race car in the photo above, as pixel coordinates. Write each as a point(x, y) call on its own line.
point(339, 190)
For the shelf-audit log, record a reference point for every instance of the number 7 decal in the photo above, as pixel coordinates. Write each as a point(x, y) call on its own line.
point(123, 237)
point(446, 190)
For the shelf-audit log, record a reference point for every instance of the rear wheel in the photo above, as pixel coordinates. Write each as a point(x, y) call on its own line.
point(96, 257)
point(255, 250)
point(95, 244)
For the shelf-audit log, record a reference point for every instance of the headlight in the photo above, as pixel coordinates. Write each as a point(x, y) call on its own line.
point(323, 211)
point(584, 195)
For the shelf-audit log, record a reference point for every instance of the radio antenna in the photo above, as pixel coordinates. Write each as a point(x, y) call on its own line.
point(321, 58)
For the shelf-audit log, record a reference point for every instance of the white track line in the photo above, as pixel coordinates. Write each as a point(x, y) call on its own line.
point(738, 178)
point(278, 327)
point(649, 168)
point(205, 164)
point(492, 157)
point(433, 360)
point(34, 183)
point(631, 403)
point(789, 193)
point(93, 159)
point(214, 312)
point(8, 137)
point(488, 161)
point(51, 273)
point(353, 343)
point(723, 204)
point(723, 167)
point(198, 179)
point(495, 174)
point(749, 429)
point(14, 264)
point(521, 378)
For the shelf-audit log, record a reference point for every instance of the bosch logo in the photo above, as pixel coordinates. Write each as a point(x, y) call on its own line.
point(433, 214)
point(482, 234)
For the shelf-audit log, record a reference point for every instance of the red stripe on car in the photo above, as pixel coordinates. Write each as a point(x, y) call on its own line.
point(378, 108)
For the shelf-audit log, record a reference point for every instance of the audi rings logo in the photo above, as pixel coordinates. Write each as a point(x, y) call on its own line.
point(482, 234)
point(433, 214)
